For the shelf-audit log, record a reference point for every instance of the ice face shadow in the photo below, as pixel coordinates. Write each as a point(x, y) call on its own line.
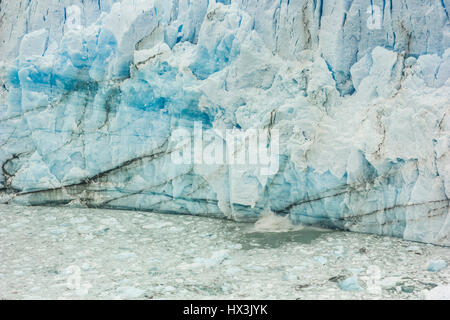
point(252, 240)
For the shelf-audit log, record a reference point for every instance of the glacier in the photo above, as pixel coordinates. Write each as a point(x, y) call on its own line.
point(91, 92)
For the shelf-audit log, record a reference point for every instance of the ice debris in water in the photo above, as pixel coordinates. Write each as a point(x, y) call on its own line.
point(216, 258)
point(320, 259)
point(437, 265)
point(130, 293)
point(350, 284)
point(438, 293)
point(162, 263)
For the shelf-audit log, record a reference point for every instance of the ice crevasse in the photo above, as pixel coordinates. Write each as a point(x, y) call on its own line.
point(358, 90)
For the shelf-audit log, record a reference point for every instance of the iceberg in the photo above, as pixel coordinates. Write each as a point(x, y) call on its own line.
point(356, 92)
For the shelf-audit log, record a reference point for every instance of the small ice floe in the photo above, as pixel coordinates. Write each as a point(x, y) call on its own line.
point(289, 276)
point(321, 260)
point(175, 229)
point(436, 265)
point(438, 293)
point(86, 267)
point(236, 246)
point(408, 289)
point(19, 223)
point(389, 282)
point(125, 256)
point(130, 292)
point(216, 259)
point(109, 221)
point(233, 270)
point(255, 268)
point(169, 289)
point(78, 220)
point(350, 284)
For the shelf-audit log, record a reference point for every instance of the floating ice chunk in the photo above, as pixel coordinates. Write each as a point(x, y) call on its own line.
point(78, 219)
point(437, 265)
point(321, 260)
point(350, 284)
point(438, 293)
point(289, 276)
point(125, 256)
point(233, 270)
point(109, 221)
point(130, 292)
point(217, 258)
point(169, 289)
point(389, 282)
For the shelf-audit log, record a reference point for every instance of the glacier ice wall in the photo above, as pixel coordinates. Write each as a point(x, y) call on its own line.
point(91, 92)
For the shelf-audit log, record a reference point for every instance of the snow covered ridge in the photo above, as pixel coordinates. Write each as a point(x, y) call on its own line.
point(92, 92)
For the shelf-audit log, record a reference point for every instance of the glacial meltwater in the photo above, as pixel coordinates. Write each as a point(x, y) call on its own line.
point(75, 253)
